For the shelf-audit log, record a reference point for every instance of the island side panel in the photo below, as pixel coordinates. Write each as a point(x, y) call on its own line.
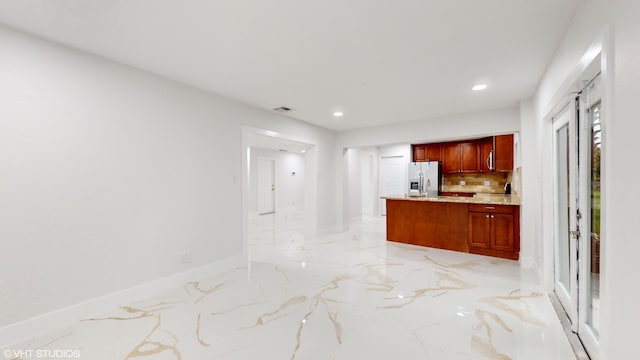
point(440, 225)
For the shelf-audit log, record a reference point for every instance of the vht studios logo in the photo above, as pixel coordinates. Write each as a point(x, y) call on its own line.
point(41, 354)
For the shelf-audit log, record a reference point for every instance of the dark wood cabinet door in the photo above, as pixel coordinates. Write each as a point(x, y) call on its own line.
point(486, 155)
point(469, 157)
point(419, 153)
point(432, 152)
point(504, 153)
point(451, 158)
point(479, 230)
point(503, 232)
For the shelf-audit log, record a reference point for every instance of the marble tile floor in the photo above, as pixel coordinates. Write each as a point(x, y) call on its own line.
point(344, 296)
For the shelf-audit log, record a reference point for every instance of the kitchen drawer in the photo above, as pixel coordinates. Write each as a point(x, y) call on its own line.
point(503, 209)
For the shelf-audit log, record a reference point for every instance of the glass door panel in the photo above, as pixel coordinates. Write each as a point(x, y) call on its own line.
point(565, 165)
point(562, 199)
point(593, 297)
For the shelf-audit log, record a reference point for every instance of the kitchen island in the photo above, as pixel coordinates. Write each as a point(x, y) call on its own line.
point(484, 224)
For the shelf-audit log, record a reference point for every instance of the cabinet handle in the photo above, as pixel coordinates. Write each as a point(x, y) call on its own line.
point(490, 207)
point(492, 216)
point(488, 215)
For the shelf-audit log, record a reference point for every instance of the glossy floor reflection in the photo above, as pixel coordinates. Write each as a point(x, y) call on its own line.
point(345, 296)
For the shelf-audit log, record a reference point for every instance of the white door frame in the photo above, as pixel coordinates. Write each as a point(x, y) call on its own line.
point(310, 180)
point(596, 58)
point(589, 338)
point(259, 189)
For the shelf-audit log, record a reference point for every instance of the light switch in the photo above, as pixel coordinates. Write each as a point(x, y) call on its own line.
point(463, 183)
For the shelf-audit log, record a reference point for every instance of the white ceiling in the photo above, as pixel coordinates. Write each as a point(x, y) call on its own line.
point(377, 61)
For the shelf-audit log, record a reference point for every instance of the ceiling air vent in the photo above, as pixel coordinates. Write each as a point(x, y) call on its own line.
point(282, 109)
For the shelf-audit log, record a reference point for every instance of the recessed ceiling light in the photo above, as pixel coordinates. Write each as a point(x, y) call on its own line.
point(338, 114)
point(479, 87)
point(303, 151)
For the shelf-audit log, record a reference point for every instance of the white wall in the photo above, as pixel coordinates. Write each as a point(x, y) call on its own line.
point(369, 180)
point(530, 232)
point(354, 182)
point(616, 22)
point(436, 129)
point(107, 172)
point(289, 189)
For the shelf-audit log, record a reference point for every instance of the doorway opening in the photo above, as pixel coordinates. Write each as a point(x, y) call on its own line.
point(371, 173)
point(278, 189)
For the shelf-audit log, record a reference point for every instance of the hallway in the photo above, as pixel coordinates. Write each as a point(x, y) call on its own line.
point(345, 296)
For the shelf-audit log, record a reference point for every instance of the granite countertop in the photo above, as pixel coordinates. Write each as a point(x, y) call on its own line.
point(490, 199)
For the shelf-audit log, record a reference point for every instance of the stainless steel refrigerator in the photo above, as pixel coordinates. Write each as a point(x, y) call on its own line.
point(424, 178)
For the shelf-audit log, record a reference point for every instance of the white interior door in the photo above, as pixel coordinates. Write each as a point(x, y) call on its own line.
point(266, 186)
point(392, 178)
point(565, 202)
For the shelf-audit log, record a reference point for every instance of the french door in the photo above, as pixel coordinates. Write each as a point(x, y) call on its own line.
point(577, 146)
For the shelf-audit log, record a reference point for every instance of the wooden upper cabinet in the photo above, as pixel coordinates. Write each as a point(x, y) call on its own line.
point(476, 156)
point(428, 152)
point(450, 158)
point(469, 157)
point(432, 152)
point(419, 153)
point(504, 153)
point(486, 155)
point(460, 157)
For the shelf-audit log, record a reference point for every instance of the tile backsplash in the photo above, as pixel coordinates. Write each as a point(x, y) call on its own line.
point(476, 182)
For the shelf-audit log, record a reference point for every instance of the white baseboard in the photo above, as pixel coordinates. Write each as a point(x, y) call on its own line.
point(57, 319)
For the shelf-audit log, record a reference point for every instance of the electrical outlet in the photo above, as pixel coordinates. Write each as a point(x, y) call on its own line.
point(463, 183)
point(487, 183)
point(185, 257)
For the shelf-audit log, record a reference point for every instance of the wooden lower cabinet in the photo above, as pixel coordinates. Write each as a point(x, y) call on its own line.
point(503, 238)
point(440, 225)
point(494, 230)
point(479, 230)
point(491, 230)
